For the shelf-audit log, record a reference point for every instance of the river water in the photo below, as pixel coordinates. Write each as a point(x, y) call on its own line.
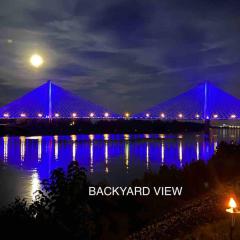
point(116, 159)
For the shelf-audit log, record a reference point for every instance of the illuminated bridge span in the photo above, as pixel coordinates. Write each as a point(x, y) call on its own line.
point(200, 103)
point(52, 101)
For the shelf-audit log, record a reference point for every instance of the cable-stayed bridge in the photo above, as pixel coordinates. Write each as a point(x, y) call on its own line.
point(52, 101)
point(199, 103)
point(203, 102)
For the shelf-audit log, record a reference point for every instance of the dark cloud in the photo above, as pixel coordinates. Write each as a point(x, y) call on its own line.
point(69, 70)
point(123, 54)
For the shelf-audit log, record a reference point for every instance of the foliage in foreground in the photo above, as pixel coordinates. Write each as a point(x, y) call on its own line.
point(60, 209)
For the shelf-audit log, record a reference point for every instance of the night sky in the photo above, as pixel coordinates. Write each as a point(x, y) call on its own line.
point(125, 55)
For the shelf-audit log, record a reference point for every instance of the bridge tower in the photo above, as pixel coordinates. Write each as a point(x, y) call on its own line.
point(206, 110)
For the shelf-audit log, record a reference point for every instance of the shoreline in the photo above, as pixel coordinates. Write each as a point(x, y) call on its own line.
point(33, 127)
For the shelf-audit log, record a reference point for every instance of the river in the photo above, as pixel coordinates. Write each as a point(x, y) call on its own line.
point(116, 159)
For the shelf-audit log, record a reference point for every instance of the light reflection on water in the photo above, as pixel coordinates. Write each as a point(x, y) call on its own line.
point(117, 159)
point(56, 147)
point(35, 183)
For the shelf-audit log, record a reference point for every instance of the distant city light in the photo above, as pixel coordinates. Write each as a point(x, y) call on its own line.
point(91, 114)
point(147, 136)
point(162, 136)
point(22, 115)
point(147, 115)
point(74, 115)
point(40, 115)
point(106, 137)
point(74, 138)
point(180, 115)
point(6, 115)
point(127, 115)
point(233, 116)
point(162, 115)
point(106, 114)
point(215, 116)
point(126, 136)
point(197, 115)
point(57, 115)
point(91, 137)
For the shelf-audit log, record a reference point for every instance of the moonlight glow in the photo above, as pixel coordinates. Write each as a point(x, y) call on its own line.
point(36, 60)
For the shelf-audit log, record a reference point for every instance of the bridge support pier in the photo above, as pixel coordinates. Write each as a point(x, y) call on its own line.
point(206, 125)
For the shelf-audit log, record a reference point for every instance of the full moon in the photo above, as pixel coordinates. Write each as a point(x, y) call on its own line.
point(36, 60)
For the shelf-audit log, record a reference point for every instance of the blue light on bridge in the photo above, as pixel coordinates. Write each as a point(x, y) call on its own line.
point(204, 101)
point(51, 101)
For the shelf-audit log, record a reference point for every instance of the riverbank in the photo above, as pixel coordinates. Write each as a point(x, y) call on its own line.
point(27, 127)
point(173, 225)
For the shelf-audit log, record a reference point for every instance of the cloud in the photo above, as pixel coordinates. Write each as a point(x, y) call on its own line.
point(123, 54)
